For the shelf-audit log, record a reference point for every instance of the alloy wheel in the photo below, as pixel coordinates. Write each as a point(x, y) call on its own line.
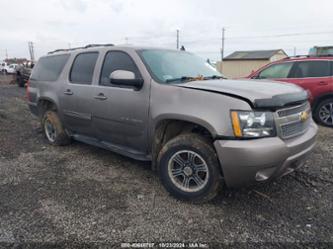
point(326, 113)
point(50, 131)
point(188, 171)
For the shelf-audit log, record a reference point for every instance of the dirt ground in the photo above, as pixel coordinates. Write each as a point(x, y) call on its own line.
point(91, 197)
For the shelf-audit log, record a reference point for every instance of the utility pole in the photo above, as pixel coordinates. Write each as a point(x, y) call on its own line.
point(177, 39)
point(294, 51)
point(126, 40)
point(31, 50)
point(222, 47)
point(6, 53)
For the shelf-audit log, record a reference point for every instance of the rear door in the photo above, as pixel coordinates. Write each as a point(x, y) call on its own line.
point(313, 75)
point(77, 94)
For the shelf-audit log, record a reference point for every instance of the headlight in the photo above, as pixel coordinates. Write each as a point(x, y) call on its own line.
point(248, 124)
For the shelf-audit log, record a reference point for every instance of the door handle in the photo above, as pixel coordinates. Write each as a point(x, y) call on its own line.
point(323, 83)
point(100, 96)
point(68, 92)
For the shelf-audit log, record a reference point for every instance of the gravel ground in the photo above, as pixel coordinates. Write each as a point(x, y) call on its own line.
point(86, 196)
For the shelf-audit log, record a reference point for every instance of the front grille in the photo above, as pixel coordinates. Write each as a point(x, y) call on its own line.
point(292, 129)
point(292, 110)
point(290, 122)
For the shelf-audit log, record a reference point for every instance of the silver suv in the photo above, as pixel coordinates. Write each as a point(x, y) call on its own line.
point(173, 108)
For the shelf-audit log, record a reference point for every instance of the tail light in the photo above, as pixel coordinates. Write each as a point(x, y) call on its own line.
point(27, 93)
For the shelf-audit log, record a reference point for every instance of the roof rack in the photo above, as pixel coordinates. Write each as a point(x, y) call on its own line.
point(308, 56)
point(296, 56)
point(99, 45)
point(87, 46)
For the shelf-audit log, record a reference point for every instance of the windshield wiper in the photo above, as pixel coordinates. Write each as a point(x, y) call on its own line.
point(181, 79)
point(189, 78)
point(214, 77)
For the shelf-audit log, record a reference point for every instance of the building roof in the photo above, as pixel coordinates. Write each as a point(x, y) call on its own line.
point(253, 55)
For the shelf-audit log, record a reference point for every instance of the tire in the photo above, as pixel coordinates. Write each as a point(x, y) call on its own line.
point(323, 113)
point(184, 183)
point(53, 129)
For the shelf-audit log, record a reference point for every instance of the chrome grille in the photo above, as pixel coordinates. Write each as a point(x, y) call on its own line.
point(289, 120)
point(292, 110)
point(289, 130)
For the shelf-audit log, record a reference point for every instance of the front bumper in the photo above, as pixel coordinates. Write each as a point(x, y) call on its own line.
point(247, 161)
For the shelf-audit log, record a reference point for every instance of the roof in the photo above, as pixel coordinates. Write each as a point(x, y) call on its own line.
point(105, 46)
point(253, 55)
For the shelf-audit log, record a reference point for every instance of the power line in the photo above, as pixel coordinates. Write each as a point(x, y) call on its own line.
point(280, 35)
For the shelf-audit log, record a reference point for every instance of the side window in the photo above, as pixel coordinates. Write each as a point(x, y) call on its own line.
point(276, 71)
point(83, 68)
point(308, 69)
point(49, 68)
point(117, 60)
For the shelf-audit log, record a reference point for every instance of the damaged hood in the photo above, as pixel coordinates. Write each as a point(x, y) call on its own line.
point(261, 94)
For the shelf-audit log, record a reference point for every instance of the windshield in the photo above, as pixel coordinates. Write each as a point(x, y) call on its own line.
point(171, 66)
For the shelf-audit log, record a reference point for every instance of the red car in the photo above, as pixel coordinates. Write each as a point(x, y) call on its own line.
point(314, 74)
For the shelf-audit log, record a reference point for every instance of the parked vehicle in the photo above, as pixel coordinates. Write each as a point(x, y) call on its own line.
point(3, 67)
point(11, 69)
point(315, 74)
point(174, 109)
point(23, 73)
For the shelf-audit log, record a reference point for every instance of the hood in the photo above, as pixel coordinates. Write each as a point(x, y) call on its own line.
point(260, 94)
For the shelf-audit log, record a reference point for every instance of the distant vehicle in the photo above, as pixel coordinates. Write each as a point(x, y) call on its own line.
point(313, 73)
point(23, 73)
point(11, 69)
point(3, 67)
point(174, 109)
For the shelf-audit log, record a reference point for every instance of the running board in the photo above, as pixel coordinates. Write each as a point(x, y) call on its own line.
point(114, 148)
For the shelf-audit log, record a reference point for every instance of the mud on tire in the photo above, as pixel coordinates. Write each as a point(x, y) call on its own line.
point(53, 129)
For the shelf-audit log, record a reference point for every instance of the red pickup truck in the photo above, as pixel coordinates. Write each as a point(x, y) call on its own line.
point(314, 74)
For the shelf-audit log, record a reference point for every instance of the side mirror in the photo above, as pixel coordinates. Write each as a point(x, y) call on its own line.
point(126, 78)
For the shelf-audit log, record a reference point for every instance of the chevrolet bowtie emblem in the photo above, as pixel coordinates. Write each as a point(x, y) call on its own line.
point(304, 116)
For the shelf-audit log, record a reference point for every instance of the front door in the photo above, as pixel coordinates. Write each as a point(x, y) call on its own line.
point(120, 114)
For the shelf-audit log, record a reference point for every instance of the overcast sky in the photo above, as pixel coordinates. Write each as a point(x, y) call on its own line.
point(255, 24)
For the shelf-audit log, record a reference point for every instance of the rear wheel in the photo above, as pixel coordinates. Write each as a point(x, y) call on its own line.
point(53, 129)
point(189, 168)
point(324, 112)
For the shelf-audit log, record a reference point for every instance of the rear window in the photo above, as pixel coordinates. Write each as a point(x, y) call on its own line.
point(83, 68)
point(49, 68)
point(307, 69)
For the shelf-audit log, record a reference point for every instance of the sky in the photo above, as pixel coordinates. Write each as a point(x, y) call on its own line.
point(293, 25)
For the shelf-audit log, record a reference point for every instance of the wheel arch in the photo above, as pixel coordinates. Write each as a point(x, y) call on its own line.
point(45, 103)
point(168, 128)
point(320, 99)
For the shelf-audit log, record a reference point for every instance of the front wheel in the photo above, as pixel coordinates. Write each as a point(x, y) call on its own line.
point(324, 112)
point(189, 168)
